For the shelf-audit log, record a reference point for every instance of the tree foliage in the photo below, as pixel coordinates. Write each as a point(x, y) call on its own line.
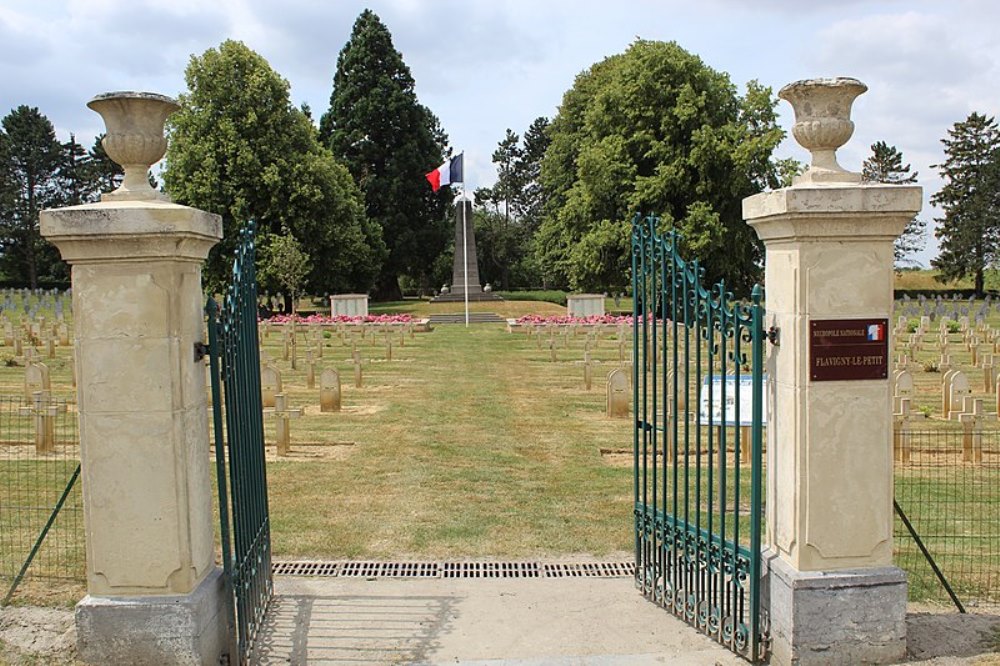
point(388, 140)
point(655, 130)
point(32, 165)
point(284, 266)
point(239, 148)
point(969, 232)
point(885, 165)
point(509, 213)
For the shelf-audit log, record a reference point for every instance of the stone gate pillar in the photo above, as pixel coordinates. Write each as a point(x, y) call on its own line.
point(834, 595)
point(155, 595)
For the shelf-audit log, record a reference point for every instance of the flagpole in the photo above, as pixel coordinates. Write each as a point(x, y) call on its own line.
point(465, 254)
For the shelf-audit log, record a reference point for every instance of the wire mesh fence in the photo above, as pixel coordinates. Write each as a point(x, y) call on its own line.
point(948, 487)
point(39, 493)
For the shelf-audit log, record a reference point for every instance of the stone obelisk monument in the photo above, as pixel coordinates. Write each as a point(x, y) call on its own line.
point(465, 268)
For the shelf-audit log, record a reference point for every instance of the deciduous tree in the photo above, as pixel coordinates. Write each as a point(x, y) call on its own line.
point(655, 130)
point(239, 148)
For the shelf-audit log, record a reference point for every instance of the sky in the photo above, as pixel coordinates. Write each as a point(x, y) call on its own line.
point(483, 66)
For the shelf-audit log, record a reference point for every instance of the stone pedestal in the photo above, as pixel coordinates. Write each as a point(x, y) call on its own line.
point(154, 592)
point(835, 597)
point(852, 616)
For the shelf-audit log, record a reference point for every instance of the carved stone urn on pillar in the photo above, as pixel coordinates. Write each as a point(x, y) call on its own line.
point(833, 594)
point(134, 138)
point(823, 124)
point(154, 594)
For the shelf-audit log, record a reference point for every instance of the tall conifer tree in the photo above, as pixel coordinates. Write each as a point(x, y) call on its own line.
point(969, 232)
point(389, 141)
point(885, 165)
point(30, 160)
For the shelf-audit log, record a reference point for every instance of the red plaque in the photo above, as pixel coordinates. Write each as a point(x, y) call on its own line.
point(846, 349)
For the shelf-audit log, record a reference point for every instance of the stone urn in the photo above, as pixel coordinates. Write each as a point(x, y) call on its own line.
point(823, 124)
point(134, 138)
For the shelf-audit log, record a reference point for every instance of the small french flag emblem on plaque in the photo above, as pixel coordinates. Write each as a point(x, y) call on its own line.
point(876, 332)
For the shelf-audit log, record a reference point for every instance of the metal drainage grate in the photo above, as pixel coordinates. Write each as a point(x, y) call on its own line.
point(491, 570)
point(456, 569)
point(304, 568)
point(589, 570)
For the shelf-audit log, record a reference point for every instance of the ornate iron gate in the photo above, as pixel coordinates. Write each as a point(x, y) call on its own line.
point(697, 380)
point(239, 448)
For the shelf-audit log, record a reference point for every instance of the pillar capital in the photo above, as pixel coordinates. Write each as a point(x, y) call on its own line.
point(802, 213)
point(131, 231)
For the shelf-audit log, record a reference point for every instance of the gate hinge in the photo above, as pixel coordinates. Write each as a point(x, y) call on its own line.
point(200, 351)
point(772, 335)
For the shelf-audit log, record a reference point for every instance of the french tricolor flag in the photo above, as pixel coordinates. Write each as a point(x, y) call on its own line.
point(448, 173)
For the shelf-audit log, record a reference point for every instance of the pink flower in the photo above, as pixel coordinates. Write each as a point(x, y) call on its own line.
point(342, 319)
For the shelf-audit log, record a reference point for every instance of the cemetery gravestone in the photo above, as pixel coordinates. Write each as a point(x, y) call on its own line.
point(618, 394)
point(957, 395)
point(270, 384)
point(36, 378)
point(329, 390)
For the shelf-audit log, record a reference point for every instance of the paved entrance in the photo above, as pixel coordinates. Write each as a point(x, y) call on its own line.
point(562, 622)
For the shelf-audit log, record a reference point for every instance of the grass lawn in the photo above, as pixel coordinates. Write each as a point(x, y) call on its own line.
point(473, 443)
point(469, 443)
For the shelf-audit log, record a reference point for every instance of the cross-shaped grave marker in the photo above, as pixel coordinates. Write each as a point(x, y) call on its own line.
point(283, 415)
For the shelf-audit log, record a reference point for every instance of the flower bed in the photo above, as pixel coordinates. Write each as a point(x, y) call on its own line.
point(606, 319)
point(343, 319)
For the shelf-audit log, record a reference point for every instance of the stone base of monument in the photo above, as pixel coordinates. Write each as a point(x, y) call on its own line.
point(847, 617)
point(162, 629)
point(474, 296)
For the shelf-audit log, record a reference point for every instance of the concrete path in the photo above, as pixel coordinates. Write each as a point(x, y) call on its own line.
point(476, 622)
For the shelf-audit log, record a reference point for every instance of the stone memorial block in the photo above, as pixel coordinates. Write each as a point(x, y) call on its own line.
point(63, 333)
point(552, 350)
point(270, 384)
point(349, 305)
point(329, 390)
point(585, 305)
point(50, 347)
point(619, 396)
point(587, 371)
point(36, 379)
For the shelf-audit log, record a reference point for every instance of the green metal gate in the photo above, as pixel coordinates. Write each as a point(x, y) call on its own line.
point(697, 380)
point(239, 449)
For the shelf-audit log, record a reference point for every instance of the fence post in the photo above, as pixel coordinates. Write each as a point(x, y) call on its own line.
point(834, 595)
point(154, 592)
